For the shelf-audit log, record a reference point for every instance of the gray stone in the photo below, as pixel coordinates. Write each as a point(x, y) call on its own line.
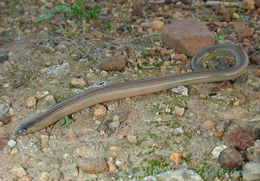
point(251, 171)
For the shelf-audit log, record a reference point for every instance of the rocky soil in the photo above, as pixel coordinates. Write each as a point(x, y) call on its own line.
point(198, 132)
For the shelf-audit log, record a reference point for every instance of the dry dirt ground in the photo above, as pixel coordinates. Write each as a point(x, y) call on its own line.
point(39, 62)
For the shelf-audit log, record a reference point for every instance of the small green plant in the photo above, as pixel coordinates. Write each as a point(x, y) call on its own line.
point(77, 10)
point(218, 37)
point(241, 10)
point(64, 121)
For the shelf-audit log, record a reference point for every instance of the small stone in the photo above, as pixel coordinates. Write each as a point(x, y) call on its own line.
point(240, 138)
point(218, 134)
point(181, 90)
point(4, 107)
point(3, 141)
point(132, 138)
point(42, 94)
point(18, 171)
point(93, 165)
point(104, 73)
point(49, 98)
point(14, 151)
point(154, 157)
point(111, 105)
point(257, 151)
point(179, 174)
point(163, 51)
point(157, 25)
point(44, 176)
point(251, 171)
point(179, 111)
point(230, 158)
point(242, 29)
point(25, 178)
point(5, 119)
point(258, 72)
point(176, 158)
point(119, 116)
point(114, 151)
point(115, 63)
point(78, 82)
point(44, 140)
point(111, 166)
point(48, 64)
point(248, 4)
point(31, 102)
point(180, 57)
point(216, 151)
point(100, 111)
point(11, 143)
point(208, 125)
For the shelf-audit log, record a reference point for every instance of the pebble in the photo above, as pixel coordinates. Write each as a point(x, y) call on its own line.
point(181, 90)
point(216, 151)
point(180, 57)
point(240, 137)
point(208, 125)
point(111, 105)
point(3, 141)
point(14, 151)
point(93, 165)
point(179, 111)
point(248, 4)
point(257, 151)
point(251, 171)
point(115, 63)
point(111, 166)
point(78, 82)
point(31, 102)
point(18, 171)
point(119, 116)
point(11, 143)
point(104, 73)
point(176, 158)
point(100, 111)
point(42, 94)
point(25, 178)
point(132, 138)
point(157, 25)
point(180, 174)
point(154, 157)
point(230, 158)
point(44, 176)
point(4, 107)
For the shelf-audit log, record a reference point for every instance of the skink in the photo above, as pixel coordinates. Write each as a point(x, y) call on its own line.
point(141, 87)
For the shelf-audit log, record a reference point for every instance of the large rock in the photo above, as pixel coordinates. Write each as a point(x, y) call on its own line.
point(187, 36)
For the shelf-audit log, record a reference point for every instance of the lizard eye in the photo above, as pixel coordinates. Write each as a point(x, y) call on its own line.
point(21, 130)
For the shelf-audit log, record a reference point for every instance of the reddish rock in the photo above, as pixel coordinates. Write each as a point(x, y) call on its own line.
point(255, 58)
point(240, 138)
point(157, 25)
point(116, 63)
point(248, 4)
point(242, 29)
point(3, 141)
point(230, 158)
point(93, 165)
point(187, 36)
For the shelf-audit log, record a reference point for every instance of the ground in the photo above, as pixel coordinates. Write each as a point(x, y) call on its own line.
point(44, 56)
